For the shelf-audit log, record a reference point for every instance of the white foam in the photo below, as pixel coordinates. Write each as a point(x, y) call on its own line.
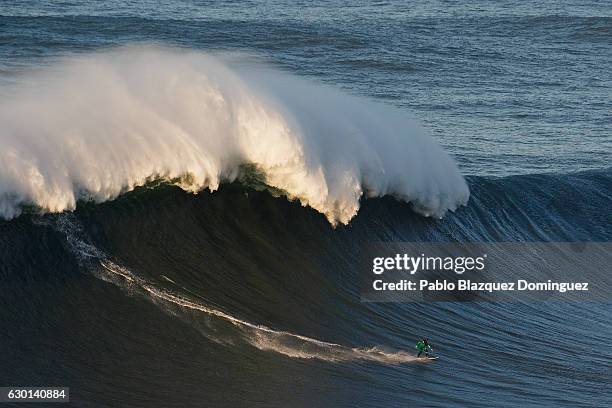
point(94, 126)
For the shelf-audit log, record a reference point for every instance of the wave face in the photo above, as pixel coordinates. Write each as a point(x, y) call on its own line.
point(95, 126)
point(241, 290)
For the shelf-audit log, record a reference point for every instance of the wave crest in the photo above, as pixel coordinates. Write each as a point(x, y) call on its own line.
point(95, 126)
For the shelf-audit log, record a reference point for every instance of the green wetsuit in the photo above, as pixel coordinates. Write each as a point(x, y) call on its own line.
point(422, 347)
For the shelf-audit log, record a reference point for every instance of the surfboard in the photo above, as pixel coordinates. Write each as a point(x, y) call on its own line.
point(431, 358)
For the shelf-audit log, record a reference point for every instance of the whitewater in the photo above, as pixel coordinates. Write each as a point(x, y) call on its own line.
point(93, 126)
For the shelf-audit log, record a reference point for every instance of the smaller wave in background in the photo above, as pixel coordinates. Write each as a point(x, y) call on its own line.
point(95, 126)
point(219, 323)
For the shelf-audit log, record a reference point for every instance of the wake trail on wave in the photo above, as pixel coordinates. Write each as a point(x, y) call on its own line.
point(259, 336)
point(94, 126)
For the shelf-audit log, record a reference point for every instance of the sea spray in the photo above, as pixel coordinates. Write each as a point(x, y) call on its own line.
point(94, 126)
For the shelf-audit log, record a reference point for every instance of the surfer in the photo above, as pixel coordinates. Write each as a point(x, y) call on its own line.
point(423, 346)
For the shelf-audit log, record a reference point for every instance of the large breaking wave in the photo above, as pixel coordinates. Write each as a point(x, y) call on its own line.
point(94, 126)
point(247, 270)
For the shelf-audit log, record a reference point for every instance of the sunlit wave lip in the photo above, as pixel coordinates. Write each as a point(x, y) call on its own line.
point(108, 122)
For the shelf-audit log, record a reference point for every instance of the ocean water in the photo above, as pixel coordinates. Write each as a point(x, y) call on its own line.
point(305, 130)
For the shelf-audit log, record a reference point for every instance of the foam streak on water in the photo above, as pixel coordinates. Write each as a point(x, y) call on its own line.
point(259, 336)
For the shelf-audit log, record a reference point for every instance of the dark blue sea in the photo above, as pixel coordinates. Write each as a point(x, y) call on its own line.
point(186, 189)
